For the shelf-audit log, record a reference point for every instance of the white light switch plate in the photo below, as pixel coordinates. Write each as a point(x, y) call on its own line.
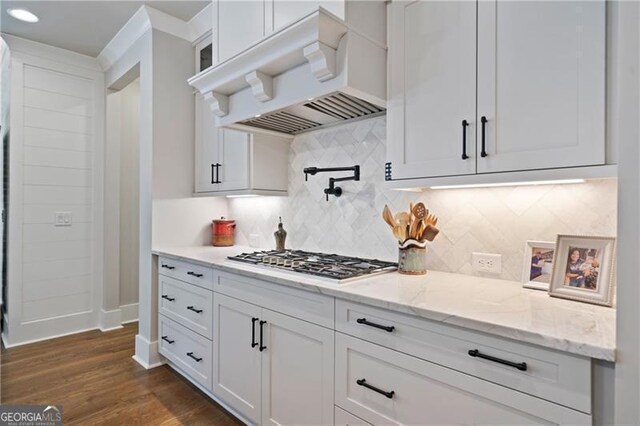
point(62, 219)
point(487, 262)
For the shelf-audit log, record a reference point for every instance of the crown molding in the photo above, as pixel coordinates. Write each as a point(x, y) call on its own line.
point(52, 53)
point(147, 18)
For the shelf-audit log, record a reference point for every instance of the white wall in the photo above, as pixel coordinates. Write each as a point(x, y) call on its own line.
point(129, 193)
point(57, 100)
point(121, 206)
point(627, 75)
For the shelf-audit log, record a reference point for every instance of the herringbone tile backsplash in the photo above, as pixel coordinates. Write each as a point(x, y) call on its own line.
point(490, 220)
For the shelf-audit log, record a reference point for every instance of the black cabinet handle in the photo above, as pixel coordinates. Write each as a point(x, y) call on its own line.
point(465, 123)
point(166, 339)
point(171, 268)
point(522, 366)
point(253, 332)
point(262, 347)
point(215, 173)
point(191, 355)
point(363, 382)
point(170, 299)
point(197, 311)
point(364, 321)
point(483, 120)
point(193, 274)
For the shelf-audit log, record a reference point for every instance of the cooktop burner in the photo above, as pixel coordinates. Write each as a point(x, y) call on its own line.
point(320, 264)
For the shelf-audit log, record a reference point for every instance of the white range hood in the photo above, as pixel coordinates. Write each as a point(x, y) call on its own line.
point(315, 72)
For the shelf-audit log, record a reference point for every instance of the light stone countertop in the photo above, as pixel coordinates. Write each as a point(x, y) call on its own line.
point(498, 307)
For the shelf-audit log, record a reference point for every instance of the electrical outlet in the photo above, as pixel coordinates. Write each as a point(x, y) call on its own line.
point(254, 240)
point(62, 219)
point(487, 262)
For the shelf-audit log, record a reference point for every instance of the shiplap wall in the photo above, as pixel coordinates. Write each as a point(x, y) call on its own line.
point(57, 166)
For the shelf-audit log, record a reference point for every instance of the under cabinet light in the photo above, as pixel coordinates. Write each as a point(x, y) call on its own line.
point(23, 15)
point(242, 196)
point(493, 185)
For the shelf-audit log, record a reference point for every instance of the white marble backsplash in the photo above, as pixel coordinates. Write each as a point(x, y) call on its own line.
point(490, 220)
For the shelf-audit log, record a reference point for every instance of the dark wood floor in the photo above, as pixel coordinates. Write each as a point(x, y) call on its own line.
point(94, 378)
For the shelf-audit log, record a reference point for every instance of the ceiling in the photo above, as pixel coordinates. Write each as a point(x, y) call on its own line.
point(84, 26)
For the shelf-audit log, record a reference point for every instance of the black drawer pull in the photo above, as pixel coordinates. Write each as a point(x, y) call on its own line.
point(364, 321)
point(363, 382)
point(197, 311)
point(522, 366)
point(191, 355)
point(253, 332)
point(465, 123)
point(262, 347)
point(166, 339)
point(484, 120)
point(170, 299)
point(193, 274)
point(169, 267)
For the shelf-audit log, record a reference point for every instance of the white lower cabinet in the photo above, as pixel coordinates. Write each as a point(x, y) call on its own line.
point(187, 350)
point(270, 367)
point(383, 386)
point(271, 362)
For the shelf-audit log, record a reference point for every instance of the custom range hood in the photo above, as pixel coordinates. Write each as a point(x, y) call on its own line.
point(316, 72)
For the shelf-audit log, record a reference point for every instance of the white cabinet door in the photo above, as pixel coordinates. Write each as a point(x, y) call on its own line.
point(239, 24)
point(236, 356)
point(297, 372)
point(233, 171)
point(206, 147)
point(383, 386)
point(284, 12)
point(541, 84)
point(432, 76)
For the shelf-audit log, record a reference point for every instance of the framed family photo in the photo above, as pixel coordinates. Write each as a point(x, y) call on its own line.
point(538, 264)
point(583, 269)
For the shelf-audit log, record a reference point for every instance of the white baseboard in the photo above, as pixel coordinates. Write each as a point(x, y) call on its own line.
point(129, 313)
point(21, 333)
point(147, 353)
point(110, 320)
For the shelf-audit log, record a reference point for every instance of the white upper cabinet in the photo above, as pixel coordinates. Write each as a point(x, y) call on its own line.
point(280, 13)
point(432, 58)
point(527, 76)
point(234, 162)
point(237, 25)
point(541, 84)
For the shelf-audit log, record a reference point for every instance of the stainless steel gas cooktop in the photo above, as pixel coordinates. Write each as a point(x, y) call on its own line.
point(332, 266)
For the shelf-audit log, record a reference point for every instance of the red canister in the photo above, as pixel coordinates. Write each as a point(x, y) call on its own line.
point(222, 232)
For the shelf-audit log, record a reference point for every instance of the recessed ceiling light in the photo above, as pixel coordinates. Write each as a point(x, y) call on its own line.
point(257, 115)
point(23, 15)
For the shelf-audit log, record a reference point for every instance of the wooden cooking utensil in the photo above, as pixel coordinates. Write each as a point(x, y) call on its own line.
point(431, 220)
point(400, 232)
point(403, 218)
point(430, 232)
point(420, 230)
point(419, 211)
point(388, 217)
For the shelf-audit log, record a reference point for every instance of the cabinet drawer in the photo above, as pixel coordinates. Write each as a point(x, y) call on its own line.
point(185, 271)
point(187, 304)
point(553, 375)
point(383, 386)
point(312, 307)
point(189, 351)
point(344, 418)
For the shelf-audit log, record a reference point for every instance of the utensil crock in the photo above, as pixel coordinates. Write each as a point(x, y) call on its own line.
point(412, 257)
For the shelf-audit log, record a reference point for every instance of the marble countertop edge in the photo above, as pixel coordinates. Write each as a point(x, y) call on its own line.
point(378, 291)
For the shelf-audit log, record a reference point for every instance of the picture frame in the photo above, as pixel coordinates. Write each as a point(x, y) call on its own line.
point(538, 264)
point(584, 269)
